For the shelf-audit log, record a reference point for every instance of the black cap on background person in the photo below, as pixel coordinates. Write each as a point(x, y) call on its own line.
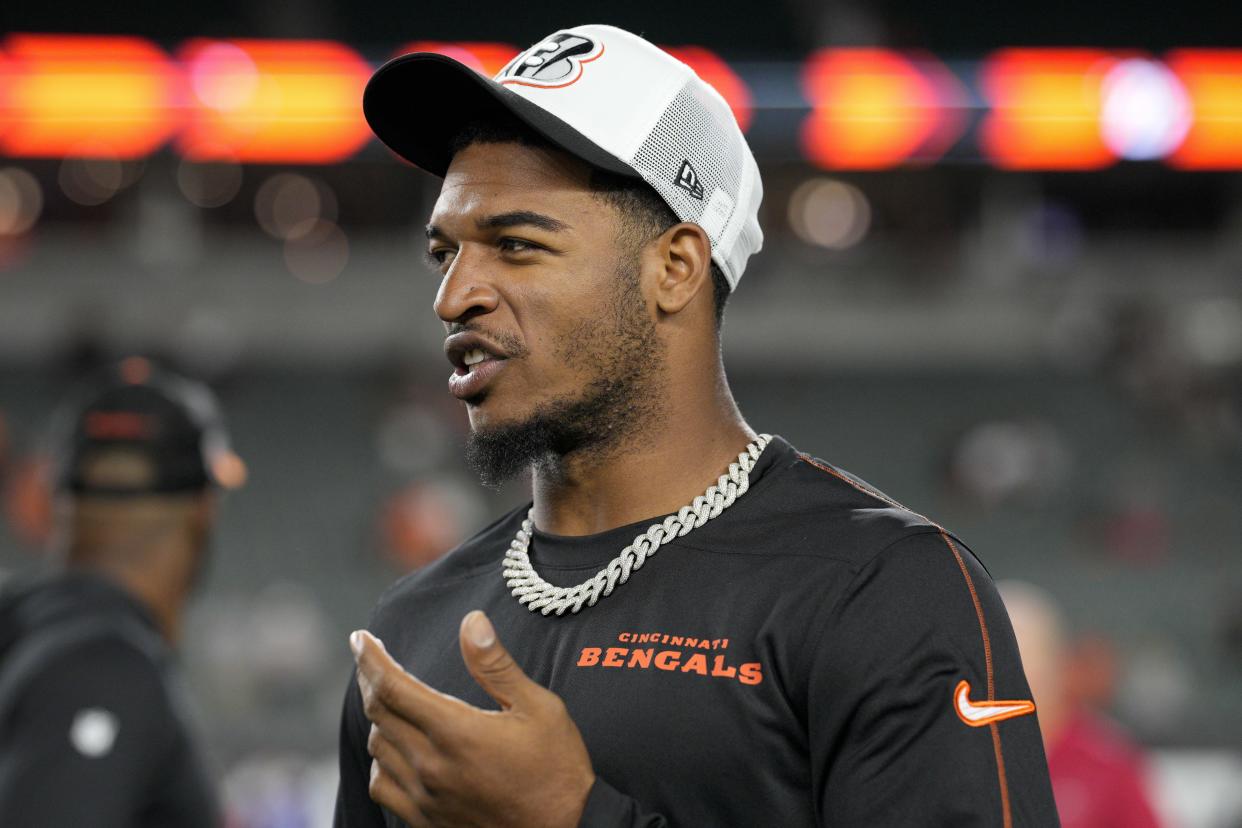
point(139, 430)
point(92, 721)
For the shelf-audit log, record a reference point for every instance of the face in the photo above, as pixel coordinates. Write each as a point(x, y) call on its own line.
point(551, 341)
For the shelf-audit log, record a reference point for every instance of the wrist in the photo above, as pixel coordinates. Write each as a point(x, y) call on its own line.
point(577, 801)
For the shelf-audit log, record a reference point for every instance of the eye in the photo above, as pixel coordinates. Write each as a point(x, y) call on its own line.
point(440, 256)
point(508, 244)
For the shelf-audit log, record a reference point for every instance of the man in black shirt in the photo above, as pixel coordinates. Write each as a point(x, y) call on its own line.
point(93, 727)
point(789, 647)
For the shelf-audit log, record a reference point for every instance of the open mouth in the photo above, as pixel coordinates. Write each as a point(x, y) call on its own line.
point(474, 357)
point(475, 361)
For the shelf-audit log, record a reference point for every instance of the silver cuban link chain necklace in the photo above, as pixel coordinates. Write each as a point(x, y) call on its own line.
point(537, 594)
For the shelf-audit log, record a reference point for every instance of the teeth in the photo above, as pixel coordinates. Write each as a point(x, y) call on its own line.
point(474, 357)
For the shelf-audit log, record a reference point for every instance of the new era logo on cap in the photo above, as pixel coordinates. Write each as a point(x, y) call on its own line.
point(688, 180)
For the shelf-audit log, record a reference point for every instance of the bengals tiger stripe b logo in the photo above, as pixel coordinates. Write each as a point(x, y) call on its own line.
point(552, 63)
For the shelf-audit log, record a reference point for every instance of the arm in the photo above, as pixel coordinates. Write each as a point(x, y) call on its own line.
point(895, 737)
point(85, 740)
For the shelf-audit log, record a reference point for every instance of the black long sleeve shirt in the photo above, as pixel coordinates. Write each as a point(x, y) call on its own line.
point(93, 730)
point(797, 661)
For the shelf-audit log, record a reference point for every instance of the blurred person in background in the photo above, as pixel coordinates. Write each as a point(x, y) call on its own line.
point(1098, 772)
point(807, 651)
point(94, 728)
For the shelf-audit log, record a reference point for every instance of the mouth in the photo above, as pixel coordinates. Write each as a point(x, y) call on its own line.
point(475, 362)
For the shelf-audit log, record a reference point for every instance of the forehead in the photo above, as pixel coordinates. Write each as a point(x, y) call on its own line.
point(486, 178)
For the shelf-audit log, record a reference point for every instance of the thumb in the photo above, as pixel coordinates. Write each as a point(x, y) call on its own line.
point(490, 663)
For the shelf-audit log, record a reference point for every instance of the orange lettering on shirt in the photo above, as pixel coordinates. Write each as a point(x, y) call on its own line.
point(696, 663)
point(640, 658)
point(589, 657)
point(615, 657)
point(719, 668)
point(667, 659)
point(750, 673)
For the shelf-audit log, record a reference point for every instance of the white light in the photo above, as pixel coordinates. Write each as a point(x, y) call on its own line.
point(21, 201)
point(91, 181)
point(1146, 112)
point(829, 213)
point(318, 254)
point(1212, 331)
point(209, 185)
point(289, 205)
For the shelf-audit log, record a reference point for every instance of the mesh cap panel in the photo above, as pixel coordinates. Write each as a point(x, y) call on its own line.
point(695, 158)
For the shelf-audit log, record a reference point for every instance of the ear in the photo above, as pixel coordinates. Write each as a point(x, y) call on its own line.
point(685, 263)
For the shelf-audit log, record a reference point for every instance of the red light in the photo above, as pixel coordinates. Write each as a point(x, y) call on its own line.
point(719, 75)
point(1213, 82)
point(1046, 106)
point(485, 58)
point(270, 100)
point(873, 108)
point(72, 95)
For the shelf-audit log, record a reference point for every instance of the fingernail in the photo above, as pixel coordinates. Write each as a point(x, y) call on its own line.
point(480, 630)
point(355, 642)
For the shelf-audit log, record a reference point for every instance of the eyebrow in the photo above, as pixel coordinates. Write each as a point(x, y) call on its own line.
point(516, 218)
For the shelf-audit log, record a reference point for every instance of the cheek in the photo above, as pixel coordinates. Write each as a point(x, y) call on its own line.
point(561, 326)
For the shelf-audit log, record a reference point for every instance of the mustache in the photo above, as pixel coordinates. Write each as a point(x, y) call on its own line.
point(509, 343)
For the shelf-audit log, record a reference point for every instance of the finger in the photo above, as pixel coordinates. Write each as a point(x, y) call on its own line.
point(387, 688)
point(400, 754)
point(388, 793)
point(491, 665)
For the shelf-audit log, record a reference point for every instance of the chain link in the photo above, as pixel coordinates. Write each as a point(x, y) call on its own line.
point(537, 594)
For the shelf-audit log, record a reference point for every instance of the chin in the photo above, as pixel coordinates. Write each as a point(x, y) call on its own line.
point(486, 412)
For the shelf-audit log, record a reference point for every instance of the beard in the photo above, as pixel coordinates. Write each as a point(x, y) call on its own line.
point(618, 401)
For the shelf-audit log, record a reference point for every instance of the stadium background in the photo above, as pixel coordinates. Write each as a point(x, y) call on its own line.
point(1001, 281)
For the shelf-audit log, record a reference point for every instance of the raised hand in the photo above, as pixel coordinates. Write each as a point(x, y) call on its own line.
point(437, 761)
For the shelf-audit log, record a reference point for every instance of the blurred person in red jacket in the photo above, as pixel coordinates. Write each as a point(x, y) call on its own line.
point(1099, 775)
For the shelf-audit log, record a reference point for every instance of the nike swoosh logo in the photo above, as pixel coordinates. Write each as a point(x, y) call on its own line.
point(978, 714)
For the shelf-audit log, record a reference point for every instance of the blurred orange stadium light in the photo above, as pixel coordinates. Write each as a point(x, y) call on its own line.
point(1213, 81)
point(874, 108)
point(75, 95)
point(267, 101)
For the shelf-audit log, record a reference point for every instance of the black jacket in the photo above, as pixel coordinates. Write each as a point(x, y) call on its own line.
point(93, 729)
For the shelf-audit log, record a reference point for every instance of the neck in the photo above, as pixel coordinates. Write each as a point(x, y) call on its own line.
point(158, 589)
point(655, 471)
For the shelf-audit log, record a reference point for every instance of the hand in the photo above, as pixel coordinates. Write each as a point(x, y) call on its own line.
point(437, 761)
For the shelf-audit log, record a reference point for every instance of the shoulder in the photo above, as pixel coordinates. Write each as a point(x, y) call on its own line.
point(810, 507)
point(100, 663)
point(105, 691)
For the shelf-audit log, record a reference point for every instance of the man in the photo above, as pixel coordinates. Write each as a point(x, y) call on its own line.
point(93, 729)
point(791, 648)
point(1099, 775)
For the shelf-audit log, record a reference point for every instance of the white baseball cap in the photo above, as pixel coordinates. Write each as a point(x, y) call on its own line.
point(604, 95)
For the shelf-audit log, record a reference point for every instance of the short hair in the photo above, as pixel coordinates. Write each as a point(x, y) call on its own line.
point(644, 214)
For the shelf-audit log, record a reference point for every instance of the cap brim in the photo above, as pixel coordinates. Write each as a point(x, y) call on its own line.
point(417, 104)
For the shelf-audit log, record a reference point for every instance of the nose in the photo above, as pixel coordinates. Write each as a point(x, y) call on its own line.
point(465, 292)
